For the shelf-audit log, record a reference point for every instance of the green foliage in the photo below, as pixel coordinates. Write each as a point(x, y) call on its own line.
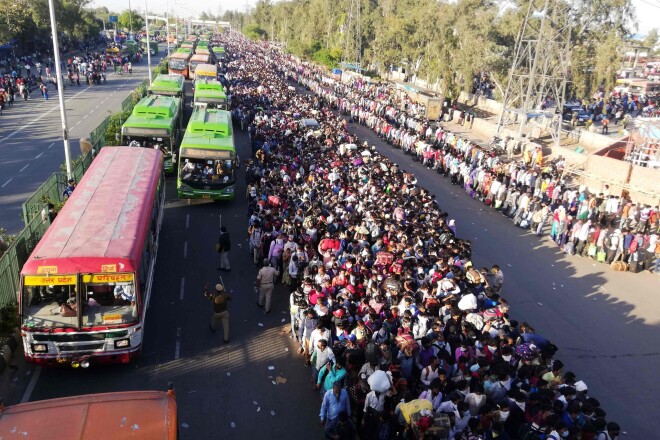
point(5, 240)
point(254, 32)
point(29, 20)
point(328, 57)
point(440, 41)
point(130, 20)
point(8, 319)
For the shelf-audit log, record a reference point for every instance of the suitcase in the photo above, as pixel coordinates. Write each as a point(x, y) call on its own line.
point(619, 266)
point(384, 258)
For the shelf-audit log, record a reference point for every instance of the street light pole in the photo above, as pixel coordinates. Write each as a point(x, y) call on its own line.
point(146, 20)
point(167, 25)
point(130, 19)
point(60, 90)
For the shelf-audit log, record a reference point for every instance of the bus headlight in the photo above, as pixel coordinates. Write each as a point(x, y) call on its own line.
point(40, 348)
point(122, 343)
point(230, 190)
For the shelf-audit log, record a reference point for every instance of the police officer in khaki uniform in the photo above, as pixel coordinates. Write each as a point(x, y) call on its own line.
point(219, 301)
point(266, 282)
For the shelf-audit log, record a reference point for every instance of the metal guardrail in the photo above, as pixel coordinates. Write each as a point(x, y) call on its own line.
point(51, 190)
point(35, 208)
point(17, 254)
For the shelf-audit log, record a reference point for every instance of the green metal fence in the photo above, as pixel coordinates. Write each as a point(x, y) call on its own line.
point(35, 209)
point(17, 254)
point(51, 190)
point(97, 136)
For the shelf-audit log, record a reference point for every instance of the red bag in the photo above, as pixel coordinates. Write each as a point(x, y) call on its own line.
point(384, 258)
point(274, 200)
point(406, 343)
point(397, 267)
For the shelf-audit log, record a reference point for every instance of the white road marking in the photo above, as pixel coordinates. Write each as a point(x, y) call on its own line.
point(177, 346)
point(5, 184)
point(39, 155)
point(35, 120)
point(51, 145)
point(185, 248)
point(85, 117)
point(183, 286)
point(22, 169)
point(77, 123)
point(30, 388)
point(187, 220)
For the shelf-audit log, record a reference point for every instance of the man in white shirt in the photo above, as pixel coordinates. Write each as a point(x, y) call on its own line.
point(321, 356)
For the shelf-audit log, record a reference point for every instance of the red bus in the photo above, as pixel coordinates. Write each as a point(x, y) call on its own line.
point(134, 415)
point(86, 286)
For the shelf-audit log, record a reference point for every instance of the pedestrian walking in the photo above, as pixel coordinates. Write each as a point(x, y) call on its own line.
point(220, 312)
point(223, 247)
point(606, 123)
point(266, 282)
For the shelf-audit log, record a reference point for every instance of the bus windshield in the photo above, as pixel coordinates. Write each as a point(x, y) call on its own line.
point(177, 64)
point(50, 302)
point(106, 302)
point(58, 305)
point(212, 172)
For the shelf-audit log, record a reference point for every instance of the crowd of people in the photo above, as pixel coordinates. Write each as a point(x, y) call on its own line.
point(531, 191)
point(382, 288)
point(25, 75)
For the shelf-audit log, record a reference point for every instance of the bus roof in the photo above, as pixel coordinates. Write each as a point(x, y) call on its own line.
point(157, 107)
point(180, 56)
point(184, 50)
point(210, 122)
point(209, 129)
point(152, 112)
point(200, 57)
point(124, 415)
point(172, 82)
point(219, 49)
point(208, 84)
point(101, 224)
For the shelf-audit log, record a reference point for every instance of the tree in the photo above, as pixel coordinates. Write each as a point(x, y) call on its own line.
point(651, 41)
point(130, 20)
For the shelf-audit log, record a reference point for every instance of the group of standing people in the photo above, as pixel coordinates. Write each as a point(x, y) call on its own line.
point(533, 192)
point(385, 302)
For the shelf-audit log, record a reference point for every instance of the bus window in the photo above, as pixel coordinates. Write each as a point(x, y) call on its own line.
point(50, 306)
point(108, 302)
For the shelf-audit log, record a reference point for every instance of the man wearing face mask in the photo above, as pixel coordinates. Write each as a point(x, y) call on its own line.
point(516, 414)
point(560, 430)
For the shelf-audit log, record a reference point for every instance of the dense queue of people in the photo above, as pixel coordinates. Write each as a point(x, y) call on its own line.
point(386, 306)
point(532, 191)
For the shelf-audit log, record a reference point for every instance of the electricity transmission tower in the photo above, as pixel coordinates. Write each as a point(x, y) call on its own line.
point(540, 69)
point(352, 51)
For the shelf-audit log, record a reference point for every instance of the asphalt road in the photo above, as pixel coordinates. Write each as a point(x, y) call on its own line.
point(604, 323)
point(31, 148)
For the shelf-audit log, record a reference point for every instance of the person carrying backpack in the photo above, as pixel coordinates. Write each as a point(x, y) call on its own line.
point(255, 234)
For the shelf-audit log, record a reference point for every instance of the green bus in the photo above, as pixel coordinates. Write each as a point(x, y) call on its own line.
point(156, 122)
point(219, 53)
point(171, 84)
point(152, 44)
point(208, 162)
point(211, 94)
point(185, 50)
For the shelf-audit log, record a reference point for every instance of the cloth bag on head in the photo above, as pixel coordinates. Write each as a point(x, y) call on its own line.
point(379, 381)
point(468, 302)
